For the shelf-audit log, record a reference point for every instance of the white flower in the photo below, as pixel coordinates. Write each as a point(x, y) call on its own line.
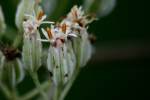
point(32, 55)
point(76, 13)
point(57, 35)
point(61, 63)
point(67, 28)
point(78, 16)
point(53, 35)
point(33, 22)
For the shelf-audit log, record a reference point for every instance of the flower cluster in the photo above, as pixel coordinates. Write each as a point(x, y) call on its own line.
point(69, 48)
point(69, 42)
point(32, 22)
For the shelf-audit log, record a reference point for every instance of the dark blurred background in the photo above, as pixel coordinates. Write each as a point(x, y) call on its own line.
point(120, 67)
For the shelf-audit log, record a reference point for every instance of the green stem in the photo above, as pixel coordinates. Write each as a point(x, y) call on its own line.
point(14, 95)
point(9, 95)
point(68, 86)
point(5, 90)
point(57, 92)
point(34, 92)
point(38, 85)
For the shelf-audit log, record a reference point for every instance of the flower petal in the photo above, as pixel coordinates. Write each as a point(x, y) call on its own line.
point(45, 33)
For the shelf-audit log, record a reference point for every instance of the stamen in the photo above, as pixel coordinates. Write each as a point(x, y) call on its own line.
point(40, 15)
point(49, 32)
point(75, 13)
point(64, 28)
point(79, 21)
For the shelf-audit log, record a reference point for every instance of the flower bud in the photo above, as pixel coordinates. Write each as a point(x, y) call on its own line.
point(12, 72)
point(25, 7)
point(86, 48)
point(53, 64)
point(106, 7)
point(49, 6)
point(32, 52)
point(83, 48)
point(61, 63)
point(2, 21)
point(101, 7)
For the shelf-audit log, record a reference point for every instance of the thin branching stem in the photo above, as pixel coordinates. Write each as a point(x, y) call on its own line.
point(35, 91)
point(38, 85)
point(5, 90)
point(68, 86)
